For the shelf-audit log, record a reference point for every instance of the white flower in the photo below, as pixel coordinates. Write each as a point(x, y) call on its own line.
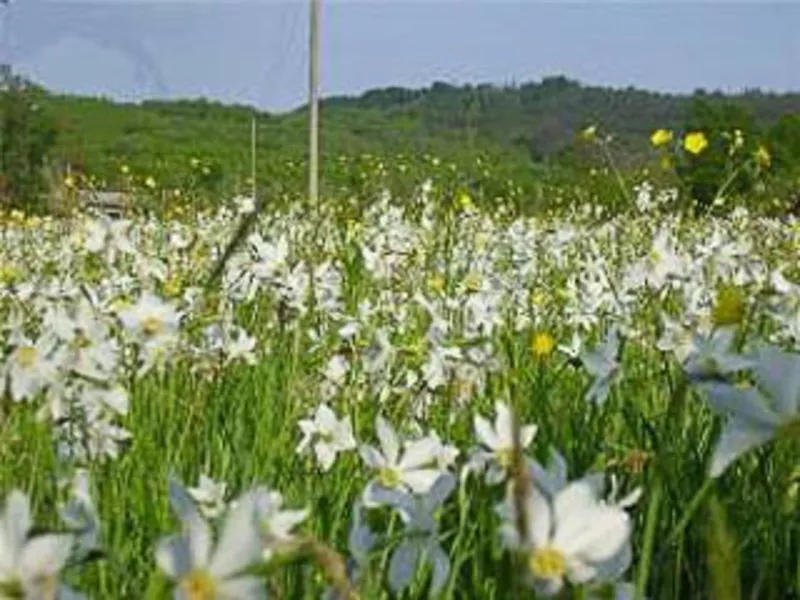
point(445, 455)
point(574, 536)
point(407, 472)
point(327, 435)
point(150, 318)
point(755, 415)
point(201, 572)
point(29, 566)
point(31, 368)
point(275, 523)
point(210, 496)
point(497, 444)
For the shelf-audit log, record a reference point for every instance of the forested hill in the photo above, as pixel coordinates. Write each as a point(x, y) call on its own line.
point(528, 123)
point(543, 117)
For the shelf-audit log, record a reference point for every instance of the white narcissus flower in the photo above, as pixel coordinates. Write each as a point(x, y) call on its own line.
point(150, 318)
point(327, 435)
point(757, 414)
point(408, 471)
point(31, 367)
point(573, 536)
point(275, 522)
point(497, 444)
point(201, 572)
point(30, 566)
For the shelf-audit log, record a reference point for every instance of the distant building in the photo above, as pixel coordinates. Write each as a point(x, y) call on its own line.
point(111, 203)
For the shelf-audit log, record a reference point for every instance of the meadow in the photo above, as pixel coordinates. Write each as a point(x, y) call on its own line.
point(401, 397)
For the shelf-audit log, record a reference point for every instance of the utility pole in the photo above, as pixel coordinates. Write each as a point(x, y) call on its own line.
point(313, 104)
point(253, 157)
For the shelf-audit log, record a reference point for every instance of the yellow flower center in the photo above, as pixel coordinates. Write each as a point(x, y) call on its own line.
point(8, 275)
point(473, 282)
point(505, 457)
point(389, 478)
point(27, 356)
point(436, 284)
point(199, 585)
point(547, 563)
point(152, 325)
point(543, 345)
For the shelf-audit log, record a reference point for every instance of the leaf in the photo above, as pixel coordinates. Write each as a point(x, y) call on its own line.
point(723, 556)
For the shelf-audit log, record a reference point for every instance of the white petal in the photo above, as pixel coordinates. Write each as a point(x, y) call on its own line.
point(16, 522)
point(504, 425)
point(388, 439)
point(403, 565)
point(526, 435)
point(420, 480)
point(241, 588)
point(540, 521)
point(200, 541)
point(737, 438)
point(576, 499)
point(173, 556)
point(485, 432)
point(240, 543)
point(371, 456)
point(418, 453)
point(548, 587)
point(441, 566)
point(45, 555)
point(326, 455)
point(605, 531)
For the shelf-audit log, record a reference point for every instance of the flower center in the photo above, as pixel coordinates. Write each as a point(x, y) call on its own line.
point(389, 478)
point(152, 325)
point(473, 282)
point(27, 356)
point(543, 345)
point(199, 585)
point(505, 457)
point(326, 437)
point(547, 563)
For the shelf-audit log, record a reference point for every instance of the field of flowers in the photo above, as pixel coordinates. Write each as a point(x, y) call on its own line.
point(427, 400)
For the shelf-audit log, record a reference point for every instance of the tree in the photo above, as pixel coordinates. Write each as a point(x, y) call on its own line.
point(27, 134)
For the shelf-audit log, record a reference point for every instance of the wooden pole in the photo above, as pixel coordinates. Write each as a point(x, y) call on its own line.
point(253, 157)
point(313, 104)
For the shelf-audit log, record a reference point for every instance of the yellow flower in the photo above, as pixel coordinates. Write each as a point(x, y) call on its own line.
point(465, 201)
point(150, 182)
point(695, 142)
point(763, 158)
point(125, 169)
point(69, 182)
point(542, 345)
point(590, 133)
point(661, 137)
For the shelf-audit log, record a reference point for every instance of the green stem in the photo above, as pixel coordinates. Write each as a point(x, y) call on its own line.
point(649, 541)
point(694, 504)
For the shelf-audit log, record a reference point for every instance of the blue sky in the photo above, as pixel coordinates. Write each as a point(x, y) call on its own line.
point(254, 52)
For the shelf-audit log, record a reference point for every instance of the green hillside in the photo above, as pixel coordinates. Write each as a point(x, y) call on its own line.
point(519, 127)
